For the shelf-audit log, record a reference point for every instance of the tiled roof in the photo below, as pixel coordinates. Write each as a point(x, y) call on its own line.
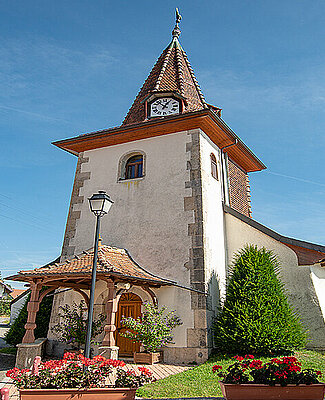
point(171, 73)
point(112, 261)
point(306, 256)
point(17, 292)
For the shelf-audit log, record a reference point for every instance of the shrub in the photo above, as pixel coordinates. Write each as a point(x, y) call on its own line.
point(5, 307)
point(256, 316)
point(17, 330)
point(73, 326)
point(153, 329)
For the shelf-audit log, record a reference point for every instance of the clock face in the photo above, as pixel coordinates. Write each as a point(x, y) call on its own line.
point(164, 106)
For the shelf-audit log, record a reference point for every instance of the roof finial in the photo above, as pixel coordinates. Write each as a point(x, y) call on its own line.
point(176, 31)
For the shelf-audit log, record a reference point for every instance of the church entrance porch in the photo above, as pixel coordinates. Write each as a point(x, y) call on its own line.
point(116, 270)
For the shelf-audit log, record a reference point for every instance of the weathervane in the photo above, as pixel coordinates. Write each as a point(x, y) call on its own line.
point(176, 31)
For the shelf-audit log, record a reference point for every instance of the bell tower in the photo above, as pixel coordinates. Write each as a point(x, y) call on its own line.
point(170, 168)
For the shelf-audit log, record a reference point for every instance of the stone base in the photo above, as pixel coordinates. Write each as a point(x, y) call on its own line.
point(26, 353)
point(185, 355)
point(109, 352)
point(55, 348)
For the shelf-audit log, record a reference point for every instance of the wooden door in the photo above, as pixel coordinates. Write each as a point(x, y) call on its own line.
point(128, 306)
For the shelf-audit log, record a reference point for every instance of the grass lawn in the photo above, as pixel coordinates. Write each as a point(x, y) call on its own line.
point(200, 381)
point(8, 350)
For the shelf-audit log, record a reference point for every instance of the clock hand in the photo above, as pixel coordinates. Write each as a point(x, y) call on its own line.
point(165, 106)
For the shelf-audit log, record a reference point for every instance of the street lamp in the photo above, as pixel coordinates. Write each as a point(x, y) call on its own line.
point(100, 203)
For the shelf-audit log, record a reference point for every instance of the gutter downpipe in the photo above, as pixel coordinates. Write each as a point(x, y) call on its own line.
point(225, 186)
point(224, 171)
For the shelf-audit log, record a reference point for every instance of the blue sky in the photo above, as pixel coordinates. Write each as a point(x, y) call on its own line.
point(72, 67)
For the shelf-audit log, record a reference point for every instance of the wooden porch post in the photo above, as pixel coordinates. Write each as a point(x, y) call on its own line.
point(111, 309)
point(32, 308)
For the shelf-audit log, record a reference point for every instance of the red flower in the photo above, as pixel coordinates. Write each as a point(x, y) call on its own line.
point(318, 373)
point(131, 372)
point(294, 368)
point(256, 364)
point(99, 358)
point(239, 358)
point(145, 371)
point(69, 356)
point(249, 356)
point(289, 360)
point(275, 360)
point(215, 368)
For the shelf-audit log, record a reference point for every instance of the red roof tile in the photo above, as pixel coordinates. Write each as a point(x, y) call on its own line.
point(171, 73)
point(112, 261)
point(17, 292)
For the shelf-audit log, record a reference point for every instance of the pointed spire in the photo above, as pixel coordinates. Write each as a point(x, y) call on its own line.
point(172, 73)
point(176, 31)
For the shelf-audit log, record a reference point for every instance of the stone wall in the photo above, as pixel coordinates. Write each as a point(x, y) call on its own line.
point(74, 215)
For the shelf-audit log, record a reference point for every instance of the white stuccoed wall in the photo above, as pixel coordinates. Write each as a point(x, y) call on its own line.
point(147, 217)
point(298, 280)
point(16, 307)
point(213, 220)
point(318, 278)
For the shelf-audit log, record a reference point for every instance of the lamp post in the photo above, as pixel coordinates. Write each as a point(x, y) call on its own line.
point(100, 203)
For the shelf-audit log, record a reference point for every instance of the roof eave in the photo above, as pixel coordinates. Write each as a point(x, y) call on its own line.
point(72, 144)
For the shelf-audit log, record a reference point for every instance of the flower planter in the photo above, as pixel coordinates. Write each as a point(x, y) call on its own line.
point(265, 392)
point(78, 394)
point(146, 358)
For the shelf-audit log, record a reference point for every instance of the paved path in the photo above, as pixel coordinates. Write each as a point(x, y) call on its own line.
point(4, 327)
point(7, 361)
point(159, 371)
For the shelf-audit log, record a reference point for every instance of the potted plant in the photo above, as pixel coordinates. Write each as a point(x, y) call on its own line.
point(280, 378)
point(152, 330)
point(72, 327)
point(75, 375)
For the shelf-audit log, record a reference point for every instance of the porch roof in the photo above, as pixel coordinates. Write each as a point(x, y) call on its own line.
point(112, 262)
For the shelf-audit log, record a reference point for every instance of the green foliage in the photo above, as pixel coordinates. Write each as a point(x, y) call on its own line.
point(8, 350)
point(73, 326)
point(17, 330)
point(5, 307)
point(256, 317)
point(153, 329)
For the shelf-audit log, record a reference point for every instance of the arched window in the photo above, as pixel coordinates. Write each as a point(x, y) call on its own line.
point(134, 167)
point(214, 166)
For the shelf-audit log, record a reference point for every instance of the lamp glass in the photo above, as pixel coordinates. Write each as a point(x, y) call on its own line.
point(97, 205)
point(100, 203)
point(106, 206)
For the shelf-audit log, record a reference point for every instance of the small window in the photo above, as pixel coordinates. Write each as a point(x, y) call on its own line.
point(214, 166)
point(134, 167)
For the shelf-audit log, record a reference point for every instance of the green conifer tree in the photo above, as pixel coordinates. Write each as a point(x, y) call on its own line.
point(256, 317)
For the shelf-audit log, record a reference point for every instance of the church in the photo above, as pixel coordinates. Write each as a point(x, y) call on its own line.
point(179, 179)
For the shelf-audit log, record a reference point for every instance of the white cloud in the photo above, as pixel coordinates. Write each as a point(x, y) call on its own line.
point(301, 89)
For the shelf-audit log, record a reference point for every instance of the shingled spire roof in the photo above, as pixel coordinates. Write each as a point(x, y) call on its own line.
point(171, 73)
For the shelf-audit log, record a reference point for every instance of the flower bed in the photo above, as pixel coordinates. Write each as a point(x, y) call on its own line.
point(279, 378)
point(76, 371)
